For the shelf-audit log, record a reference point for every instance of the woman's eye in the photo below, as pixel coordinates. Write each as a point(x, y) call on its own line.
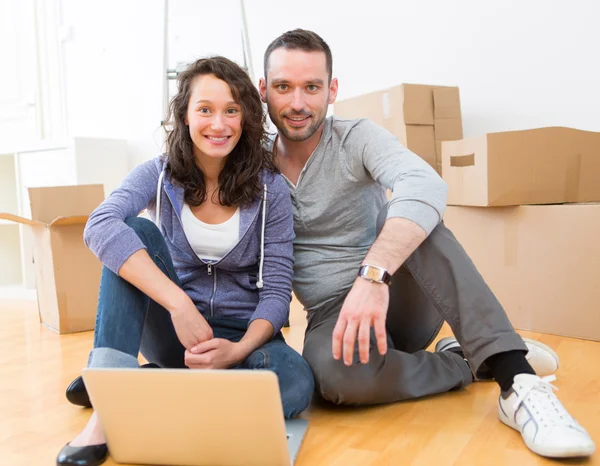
point(203, 110)
point(232, 111)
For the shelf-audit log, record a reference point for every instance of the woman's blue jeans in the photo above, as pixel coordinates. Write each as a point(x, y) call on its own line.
point(129, 322)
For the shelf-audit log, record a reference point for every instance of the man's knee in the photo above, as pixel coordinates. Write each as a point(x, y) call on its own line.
point(341, 384)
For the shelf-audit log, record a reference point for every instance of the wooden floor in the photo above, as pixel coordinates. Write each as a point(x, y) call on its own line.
point(459, 428)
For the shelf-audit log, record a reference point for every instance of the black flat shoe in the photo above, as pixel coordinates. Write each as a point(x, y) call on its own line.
point(78, 395)
point(91, 455)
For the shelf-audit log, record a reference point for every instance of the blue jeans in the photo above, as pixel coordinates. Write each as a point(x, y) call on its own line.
point(129, 322)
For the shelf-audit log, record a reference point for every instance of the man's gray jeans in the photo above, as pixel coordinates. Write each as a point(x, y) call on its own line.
point(437, 283)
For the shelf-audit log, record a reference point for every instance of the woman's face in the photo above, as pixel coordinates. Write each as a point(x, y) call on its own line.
point(213, 117)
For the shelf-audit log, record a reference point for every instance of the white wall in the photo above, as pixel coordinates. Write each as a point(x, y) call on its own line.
point(519, 64)
point(114, 62)
point(113, 71)
point(17, 72)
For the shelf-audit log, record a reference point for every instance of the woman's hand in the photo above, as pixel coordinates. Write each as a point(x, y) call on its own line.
point(217, 353)
point(190, 326)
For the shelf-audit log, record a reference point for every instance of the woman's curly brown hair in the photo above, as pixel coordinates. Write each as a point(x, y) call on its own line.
point(239, 181)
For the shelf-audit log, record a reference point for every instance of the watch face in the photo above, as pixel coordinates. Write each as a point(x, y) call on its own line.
point(374, 274)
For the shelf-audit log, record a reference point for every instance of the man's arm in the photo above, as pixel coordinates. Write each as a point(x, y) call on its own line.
point(367, 302)
point(415, 209)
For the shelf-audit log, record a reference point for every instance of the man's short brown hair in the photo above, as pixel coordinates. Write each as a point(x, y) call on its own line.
point(300, 39)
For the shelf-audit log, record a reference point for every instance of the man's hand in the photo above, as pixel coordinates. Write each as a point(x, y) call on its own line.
point(190, 326)
point(217, 353)
point(365, 306)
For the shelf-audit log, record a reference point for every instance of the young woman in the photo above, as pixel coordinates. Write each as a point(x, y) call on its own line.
point(207, 284)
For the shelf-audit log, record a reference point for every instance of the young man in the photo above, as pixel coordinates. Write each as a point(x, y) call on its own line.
point(366, 337)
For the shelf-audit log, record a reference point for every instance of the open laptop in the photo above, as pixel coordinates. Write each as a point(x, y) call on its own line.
point(194, 417)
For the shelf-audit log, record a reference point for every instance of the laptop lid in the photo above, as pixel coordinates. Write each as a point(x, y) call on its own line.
point(191, 418)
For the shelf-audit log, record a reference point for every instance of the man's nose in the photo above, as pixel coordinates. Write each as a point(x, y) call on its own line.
point(298, 103)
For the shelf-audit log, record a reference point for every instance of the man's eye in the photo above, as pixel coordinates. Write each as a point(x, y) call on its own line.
point(312, 87)
point(282, 87)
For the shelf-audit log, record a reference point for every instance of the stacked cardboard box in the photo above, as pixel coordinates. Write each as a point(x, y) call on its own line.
point(523, 205)
point(420, 116)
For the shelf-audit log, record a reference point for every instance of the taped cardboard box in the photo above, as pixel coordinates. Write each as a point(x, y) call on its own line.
point(552, 165)
point(67, 273)
point(418, 138)
point(541, 262)
point(446, 103)
point(410, 112)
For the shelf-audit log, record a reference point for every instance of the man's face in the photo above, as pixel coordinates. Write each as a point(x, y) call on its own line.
point(297, 92)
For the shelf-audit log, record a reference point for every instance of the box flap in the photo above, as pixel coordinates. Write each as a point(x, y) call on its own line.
point(48, 204)
point(17, 219)
point(74, 220)
point(417, 103)
point(446, 102)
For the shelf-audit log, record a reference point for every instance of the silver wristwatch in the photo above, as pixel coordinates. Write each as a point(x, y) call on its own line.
point(374, 274)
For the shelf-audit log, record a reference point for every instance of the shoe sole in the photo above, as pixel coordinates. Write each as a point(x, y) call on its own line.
point(443, 346)
point(573, 453)
point(546, 348)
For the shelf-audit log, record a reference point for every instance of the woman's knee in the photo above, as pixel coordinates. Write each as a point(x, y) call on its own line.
point(296, 380)
point(142, 226)
point(148, 232)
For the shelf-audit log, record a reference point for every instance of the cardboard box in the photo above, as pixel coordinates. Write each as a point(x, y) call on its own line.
point(413, 113)
point(446, 103)
point(67, 273)
point(541, 262)
point(412, 104)
point(415, 102)
point(369, 106)
point(438, 157)
point(448, 129)
point(540, 166)
point(420, 140)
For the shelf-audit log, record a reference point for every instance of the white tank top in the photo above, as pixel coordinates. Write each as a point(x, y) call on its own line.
point(210, 242)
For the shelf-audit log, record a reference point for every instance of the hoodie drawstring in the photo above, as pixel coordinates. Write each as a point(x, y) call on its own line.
point(260, 283)
point(158, 192)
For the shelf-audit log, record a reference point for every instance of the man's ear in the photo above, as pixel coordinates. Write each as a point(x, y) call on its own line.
point(262, 88)
point(333, 90)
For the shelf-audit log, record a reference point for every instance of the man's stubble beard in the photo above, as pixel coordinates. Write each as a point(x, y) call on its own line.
point(307, 133)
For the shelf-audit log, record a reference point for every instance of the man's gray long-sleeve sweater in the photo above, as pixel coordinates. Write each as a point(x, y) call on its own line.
point(338, 197)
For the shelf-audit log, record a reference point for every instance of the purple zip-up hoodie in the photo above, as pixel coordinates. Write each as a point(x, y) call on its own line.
point(231, 287)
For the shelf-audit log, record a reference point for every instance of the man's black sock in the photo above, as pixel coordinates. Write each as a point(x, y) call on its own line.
point(504, 367)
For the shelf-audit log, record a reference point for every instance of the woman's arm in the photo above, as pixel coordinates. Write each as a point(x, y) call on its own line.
point(220, 353)
point(278, 267)
point(120, 249)
point(141, 271)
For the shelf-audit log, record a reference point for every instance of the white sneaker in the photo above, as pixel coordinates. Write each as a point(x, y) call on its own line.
point(541, 358)
point(547, 428)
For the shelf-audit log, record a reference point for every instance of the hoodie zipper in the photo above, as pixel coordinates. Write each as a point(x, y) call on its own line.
point(212, 298)
point(210, 266)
